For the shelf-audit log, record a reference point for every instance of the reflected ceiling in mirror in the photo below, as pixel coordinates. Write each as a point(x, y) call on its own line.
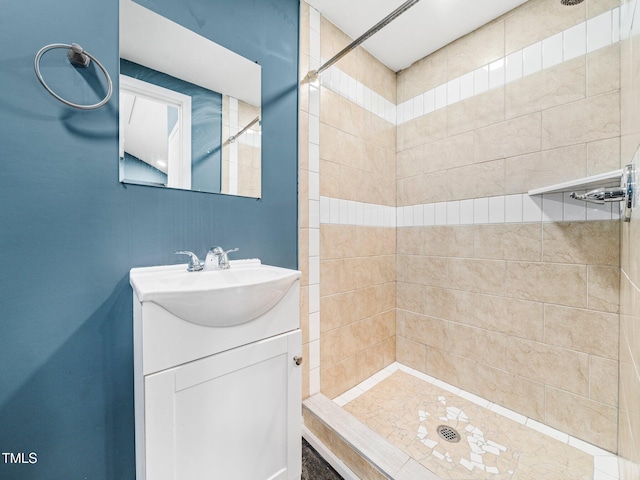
point(190, 113)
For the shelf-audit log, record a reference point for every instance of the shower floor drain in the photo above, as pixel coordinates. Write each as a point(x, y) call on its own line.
point(449, 434)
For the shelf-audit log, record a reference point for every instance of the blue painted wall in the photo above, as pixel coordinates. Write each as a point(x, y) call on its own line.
point(69, 232)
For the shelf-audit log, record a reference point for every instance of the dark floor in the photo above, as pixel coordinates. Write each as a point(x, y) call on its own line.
point(314, 467)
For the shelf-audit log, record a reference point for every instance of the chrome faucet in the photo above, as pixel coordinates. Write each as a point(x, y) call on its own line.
point(217, 258)
point(195, 265)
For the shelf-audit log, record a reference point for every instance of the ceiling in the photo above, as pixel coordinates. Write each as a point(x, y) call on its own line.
point(424, 28)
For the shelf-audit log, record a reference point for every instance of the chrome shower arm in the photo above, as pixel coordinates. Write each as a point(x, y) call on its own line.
point(601, 195)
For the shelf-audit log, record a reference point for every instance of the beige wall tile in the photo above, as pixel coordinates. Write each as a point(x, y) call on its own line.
point(366, 187)
point(304, 28)
point(331, 277)
point(369, 362)
point(508, 242)
point(411, 240)
point(304, 84)
point(603, 156)
point(411, 191)
point(454, 305)
point(337, 241)
point(448, 153)
point(411, 162)
point(603, 384)
point(317, 427)
point(539, 19)
point(339, 310)
point(358, 465)
point(401, 322)
point(423, 270)
point(549, 365)
point(340, 113)
point(375, 75)
point(473, 181)
point(374, 159)
point(337, 146)
point(449, 241)
point(330, 179)
point(411, 354)
point(475, 112)
point(371, 241)
point(476, 49)
point(304, 314)
point(552, 283)
point(582, 330)
point(388, 351)
point(384, 326)
point(603, 70)
point(422, 76)
point(540, 169)
point(512, 391)
point(332, 348)
point(303, 255)
point(376, 299)
point(426, 330)
point(332, 41)
point(582, 418)
point(510, 138)
point(410, 297)
point(604, 288)
point(457, 371)
point(582, 242)
point(588, 120)
point(337, 379)
point(424, 129)
point(479, 345)
point(548, 88)
point(519, 318)
point(444, 190)
point(305, 372)
point(481, 276)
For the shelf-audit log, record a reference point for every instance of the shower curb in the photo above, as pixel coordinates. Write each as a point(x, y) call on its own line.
point(365, 453)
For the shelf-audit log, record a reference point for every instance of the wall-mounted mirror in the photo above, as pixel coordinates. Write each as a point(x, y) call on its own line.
point(190, 113)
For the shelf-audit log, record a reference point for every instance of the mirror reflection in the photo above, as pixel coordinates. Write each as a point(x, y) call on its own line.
point(186, 122)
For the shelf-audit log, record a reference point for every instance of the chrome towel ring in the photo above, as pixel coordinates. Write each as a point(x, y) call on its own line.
point(79, 58)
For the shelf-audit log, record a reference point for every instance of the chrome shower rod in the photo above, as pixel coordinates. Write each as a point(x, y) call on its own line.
point(233, 138)
point(313, 74)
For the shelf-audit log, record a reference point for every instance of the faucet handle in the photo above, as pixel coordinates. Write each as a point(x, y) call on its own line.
point(222, 262)
point(195, 265)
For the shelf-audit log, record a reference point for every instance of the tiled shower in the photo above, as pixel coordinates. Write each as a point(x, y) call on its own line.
point(420, 244)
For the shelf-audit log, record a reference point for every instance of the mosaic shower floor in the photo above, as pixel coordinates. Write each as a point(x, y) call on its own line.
point(406, 407)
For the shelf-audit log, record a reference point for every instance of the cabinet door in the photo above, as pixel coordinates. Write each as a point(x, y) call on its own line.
point(234, 415)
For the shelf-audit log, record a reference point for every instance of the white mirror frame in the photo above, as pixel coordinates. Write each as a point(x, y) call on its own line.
point(179, 166)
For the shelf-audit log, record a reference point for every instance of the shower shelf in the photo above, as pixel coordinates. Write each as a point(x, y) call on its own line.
point(609, 179)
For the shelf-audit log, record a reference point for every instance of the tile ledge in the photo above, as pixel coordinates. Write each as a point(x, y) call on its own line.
point(608, 179)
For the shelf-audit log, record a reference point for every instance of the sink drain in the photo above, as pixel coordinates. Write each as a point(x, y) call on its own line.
point(449, 434)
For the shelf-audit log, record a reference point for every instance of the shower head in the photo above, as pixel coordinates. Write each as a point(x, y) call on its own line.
point(571, 2)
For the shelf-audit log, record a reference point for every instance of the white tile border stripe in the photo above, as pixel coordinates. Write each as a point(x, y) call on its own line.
point(580, 39)
point(314, 207)
point(586, 37)
point(520, 208)
point(605, 464)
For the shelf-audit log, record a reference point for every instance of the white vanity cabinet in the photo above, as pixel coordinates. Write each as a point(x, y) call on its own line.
point(218, 403)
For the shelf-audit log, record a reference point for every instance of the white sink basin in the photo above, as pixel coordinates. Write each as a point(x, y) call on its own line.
point(220, 298)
